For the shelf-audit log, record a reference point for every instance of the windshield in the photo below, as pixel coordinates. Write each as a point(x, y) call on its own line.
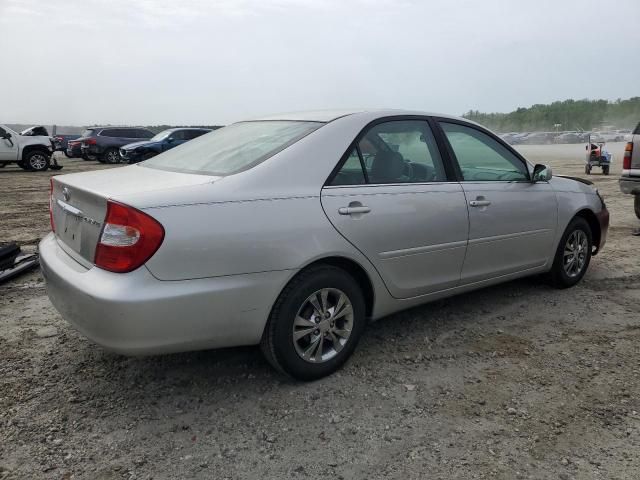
point(160, 136)
point(234, 148)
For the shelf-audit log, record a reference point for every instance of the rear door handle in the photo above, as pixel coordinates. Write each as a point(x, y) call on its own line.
point(479, 203)
point(353, 210)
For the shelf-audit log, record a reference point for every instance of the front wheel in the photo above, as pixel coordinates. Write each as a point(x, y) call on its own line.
point(573, 254)
point(37, 161)
point(315, 324)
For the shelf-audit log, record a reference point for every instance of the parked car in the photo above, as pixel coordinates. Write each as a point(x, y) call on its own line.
point(539, 138)
point(61, 142)
point(161, 142)
point(104, 143)
point(74, 148)
point(30, 152)
point(630, 178)
point(291, 231)
point(568, 137)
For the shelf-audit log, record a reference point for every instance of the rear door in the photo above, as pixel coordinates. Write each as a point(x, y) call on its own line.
point(394, 200)
point(512, 221)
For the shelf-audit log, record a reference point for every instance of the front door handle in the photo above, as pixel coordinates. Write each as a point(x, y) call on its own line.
point(480, 202)
point(353, 210)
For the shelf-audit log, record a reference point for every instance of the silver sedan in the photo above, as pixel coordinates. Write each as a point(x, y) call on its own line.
point(293, 231)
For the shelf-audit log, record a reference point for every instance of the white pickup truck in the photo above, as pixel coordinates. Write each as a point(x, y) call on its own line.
point(31, 152)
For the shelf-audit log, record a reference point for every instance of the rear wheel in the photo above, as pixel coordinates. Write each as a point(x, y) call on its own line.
point(111, 155)
point(573, 254)
point(587, 169)
point(315, 324)
point(37, 160)
point(605, 170)
point(636, 205)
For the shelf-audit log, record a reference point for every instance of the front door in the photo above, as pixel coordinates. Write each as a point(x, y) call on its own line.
point(512, 221)
point(393, 200)
point(8, 146)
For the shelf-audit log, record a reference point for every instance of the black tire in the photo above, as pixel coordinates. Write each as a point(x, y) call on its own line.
point(22, 165)
point(277, 342)
point(605, 170)
point(66, 154)
point(587, 169)
point(111, 155)
point(636, 205)
point(37, 160)
point(558, 275)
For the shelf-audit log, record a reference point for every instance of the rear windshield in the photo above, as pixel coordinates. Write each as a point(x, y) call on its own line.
point(232, 149)
point(87, 133)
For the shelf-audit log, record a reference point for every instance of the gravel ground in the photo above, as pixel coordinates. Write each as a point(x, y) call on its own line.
point(514, 381)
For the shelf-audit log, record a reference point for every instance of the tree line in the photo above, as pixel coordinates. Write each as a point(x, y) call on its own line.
point(571, 114)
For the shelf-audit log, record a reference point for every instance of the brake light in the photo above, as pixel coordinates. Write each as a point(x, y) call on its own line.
point(628, 151)
point(53, 225)
point(90, 141)
point(128, 239)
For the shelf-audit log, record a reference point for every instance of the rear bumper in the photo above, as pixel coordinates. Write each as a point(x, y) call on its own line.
point(135, 313)
point(630, 185)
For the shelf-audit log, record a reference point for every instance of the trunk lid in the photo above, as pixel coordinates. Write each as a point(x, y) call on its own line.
point(79, 202)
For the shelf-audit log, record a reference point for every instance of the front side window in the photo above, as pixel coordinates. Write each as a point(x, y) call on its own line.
point(234, 148)
point(482, 158)
point(402, 151)
point(179, 135)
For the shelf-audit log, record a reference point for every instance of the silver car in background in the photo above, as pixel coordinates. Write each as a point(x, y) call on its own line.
point(292, 231)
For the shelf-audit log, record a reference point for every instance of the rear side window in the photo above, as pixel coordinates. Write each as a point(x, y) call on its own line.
point(482, 158)
point(111, 132)
point(141, 133)
point(401, 151)
point(233, 149)
point(179, 135)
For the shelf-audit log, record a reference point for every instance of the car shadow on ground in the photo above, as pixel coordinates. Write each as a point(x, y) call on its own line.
point(243, 369)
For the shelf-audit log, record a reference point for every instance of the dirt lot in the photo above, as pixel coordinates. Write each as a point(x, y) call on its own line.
point(515, 381)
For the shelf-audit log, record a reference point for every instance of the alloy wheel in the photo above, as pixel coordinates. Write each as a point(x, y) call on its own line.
point(575, 253)
point(38, 161)
point(323, 325)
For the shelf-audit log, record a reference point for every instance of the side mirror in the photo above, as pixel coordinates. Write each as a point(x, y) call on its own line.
point(541, 173)
point(170, 140)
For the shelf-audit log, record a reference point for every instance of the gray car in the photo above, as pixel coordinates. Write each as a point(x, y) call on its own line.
point(293, 231)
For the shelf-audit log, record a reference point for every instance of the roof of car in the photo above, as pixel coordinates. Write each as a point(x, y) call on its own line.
point(330, 115)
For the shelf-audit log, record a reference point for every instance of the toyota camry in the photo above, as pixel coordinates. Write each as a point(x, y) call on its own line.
point(293, 231)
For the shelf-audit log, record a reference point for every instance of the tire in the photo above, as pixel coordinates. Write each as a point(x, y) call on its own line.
point(22, 165)
point(293, 311)
point(636, 205)
point(111, 155)
point(66, 154)
point(566, 274)
point(605, 170)
point(587, 169)
point(37, 160)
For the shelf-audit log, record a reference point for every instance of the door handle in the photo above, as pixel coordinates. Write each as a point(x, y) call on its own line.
point(353, 210)
point(479, 203)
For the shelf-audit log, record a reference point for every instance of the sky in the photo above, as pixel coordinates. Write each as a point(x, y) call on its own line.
point(190, 62)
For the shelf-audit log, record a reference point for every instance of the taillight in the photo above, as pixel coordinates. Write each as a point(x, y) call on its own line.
point(90, 141)
point(128, 239)
point(53, 225)
point(628, 151)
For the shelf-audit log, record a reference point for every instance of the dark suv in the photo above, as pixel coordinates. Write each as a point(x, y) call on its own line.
point(104, 143)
